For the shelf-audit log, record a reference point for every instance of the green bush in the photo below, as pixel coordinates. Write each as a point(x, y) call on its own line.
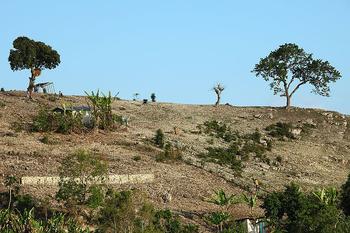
point(48, 121)
point(292, 210)
point(170, 154)
point(256, 136)
point(126, 211)
point(279, 159)
point(153, 97)
point(159, 138)
point(79, 175)
point(219, 130)
point(280, 130)
point(224, 156)
point(15, 221)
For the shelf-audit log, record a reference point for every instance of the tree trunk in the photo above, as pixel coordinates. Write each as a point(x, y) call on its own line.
point(288, 101)
point(217, 100)
point(35, 72)
point(10, 199)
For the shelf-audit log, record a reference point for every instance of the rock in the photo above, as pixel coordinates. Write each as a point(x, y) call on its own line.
point(270, 115)
point(264, 166)
point(296, 132)
point(310, 122)
point(177, 130)
point(258, 116)
point(263, 142)
point(166, 197)
point(328, 115)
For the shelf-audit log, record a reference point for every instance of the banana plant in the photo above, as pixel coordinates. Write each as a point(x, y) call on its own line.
point(327, 196)
point(251, 201)
point(222, 199)
point(12, 183)
point(218, 219)
point(101, 108)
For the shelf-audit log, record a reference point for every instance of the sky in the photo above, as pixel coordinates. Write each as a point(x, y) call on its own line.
point(178, 49)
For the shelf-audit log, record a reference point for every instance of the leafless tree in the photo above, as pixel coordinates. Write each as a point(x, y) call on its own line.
point(218, 89)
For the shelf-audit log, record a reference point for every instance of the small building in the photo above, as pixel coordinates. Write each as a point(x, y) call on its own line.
point(73, 109)
point(255, 226)
point(46, 87)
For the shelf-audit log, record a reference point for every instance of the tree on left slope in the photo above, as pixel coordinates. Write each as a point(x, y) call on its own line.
point(33, 55)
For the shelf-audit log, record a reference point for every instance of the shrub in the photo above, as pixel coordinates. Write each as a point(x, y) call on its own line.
point(256, 136)
point(137, 158)
point(25, 221)
point(17, 126)
point(167, 222)
point(252, 148)
point(2, 104)
point(126, 210)
point(169, 154)
point(159, 138)
point(153, 97)
point(48, 121)
point(345, 197)
point(307, 128)
point(218, 219)
point(2, 89)
point(224, 156)
point(219, 130)
point(79, 175)
point(279, 159)
point(280, 130)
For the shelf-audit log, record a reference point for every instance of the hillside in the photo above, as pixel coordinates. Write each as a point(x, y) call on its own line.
point(319, 157)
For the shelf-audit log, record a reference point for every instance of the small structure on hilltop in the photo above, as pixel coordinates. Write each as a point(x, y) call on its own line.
point(46, 87)
point(73, 109)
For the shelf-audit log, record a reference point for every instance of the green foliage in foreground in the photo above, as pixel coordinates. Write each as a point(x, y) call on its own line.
point(294, 211)
point(14, 221)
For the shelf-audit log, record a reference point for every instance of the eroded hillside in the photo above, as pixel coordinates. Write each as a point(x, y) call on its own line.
point(319, 157)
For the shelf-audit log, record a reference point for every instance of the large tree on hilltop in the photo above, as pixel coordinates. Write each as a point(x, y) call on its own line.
point(33, 55)
point(289, 67)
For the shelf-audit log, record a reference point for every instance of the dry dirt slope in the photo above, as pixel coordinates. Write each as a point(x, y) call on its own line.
point(318, 159)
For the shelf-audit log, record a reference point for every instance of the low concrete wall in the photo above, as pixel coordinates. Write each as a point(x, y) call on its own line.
point(111, 179)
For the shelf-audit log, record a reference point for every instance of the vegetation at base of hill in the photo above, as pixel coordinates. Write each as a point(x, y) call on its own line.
point(87, 202)
point(320, 211)
point(222, 219)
